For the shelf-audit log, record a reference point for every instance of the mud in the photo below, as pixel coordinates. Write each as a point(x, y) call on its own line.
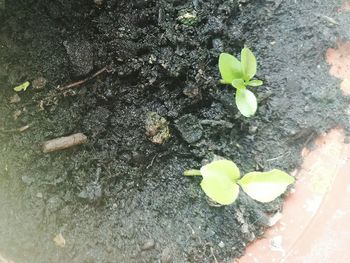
point(122, 197)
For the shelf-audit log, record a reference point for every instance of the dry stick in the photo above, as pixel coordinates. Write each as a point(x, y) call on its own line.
point(212, 253)
point(80, 82)
point(21, 129)
point(150, 165)
point(64, 142)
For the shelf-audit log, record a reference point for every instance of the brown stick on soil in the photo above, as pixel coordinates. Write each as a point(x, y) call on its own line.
point(80, 82)
point(63, 143)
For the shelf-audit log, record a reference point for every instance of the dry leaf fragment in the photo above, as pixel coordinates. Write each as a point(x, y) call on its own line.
point(15, 99)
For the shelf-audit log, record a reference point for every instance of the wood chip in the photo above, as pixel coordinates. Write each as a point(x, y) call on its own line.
point(64, 142)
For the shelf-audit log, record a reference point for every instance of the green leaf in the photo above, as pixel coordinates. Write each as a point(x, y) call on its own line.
point(230, 68)
point(222, 191)
point(21, 87)
point(255, 83)
point(248, 62)
point(221, 168)
point(265, 186)
point(246, 102)
point(219, 181)
point(238, 83)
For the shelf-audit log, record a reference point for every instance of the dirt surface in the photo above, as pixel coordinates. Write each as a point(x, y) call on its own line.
point(156, 110)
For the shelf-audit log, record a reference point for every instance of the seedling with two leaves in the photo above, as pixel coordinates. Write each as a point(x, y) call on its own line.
point(239, 74)
point(221, 181)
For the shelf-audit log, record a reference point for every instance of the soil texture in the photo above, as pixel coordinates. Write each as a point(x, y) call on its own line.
point(151, 107)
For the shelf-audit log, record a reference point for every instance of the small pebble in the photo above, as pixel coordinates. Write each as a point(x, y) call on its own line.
point(191, 91)
point(98, 2)
point(253, 129)
point(166, 256)
point(149, 244)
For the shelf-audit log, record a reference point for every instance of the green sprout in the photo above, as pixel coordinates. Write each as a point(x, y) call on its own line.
point(22, 87)
point(239, 74)
point(221, 181)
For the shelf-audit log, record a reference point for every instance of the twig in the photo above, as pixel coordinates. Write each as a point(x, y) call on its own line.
point(64, 142)
point(21, 129)
point(312, 135)
point(212, 253)
point(276, 158)
point(152, 161)
point(80, 82)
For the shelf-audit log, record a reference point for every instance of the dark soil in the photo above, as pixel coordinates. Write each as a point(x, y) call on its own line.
point(122, 197)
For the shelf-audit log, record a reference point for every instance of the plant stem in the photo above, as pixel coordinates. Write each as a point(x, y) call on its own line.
point(192, 172)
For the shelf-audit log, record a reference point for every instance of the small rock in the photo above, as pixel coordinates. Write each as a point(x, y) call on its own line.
point(39, 195)
point(191, 91)
point(39, 83)
point(253, 129)
point(166, 256)
point(59, 240)
point(190, 128)
point(221, 244)
point(307, 108)
point(98, 2)
point(157, 128)
point(149, 244)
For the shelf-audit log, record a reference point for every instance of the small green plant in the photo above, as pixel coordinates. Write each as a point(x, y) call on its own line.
point(239, 74)
point(221, 181)
point(22, 87)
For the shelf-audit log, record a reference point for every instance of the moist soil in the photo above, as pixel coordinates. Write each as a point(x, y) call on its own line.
point(155, 109)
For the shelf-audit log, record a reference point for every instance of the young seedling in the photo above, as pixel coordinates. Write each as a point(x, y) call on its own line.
point(239, 74)
point(221, 181)
point(22, 87)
